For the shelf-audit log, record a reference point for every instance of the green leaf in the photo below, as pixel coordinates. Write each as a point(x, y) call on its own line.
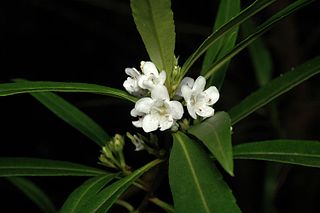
point(273, 89)
point(261, 29)
point(85, 192)
point(260, 55)
point(298, 152)
point(108, 196)
point(196, 185)
point(214, 37)
point(43, 167)
point(34, 193)
point(226, 11)
point(47, 86)
point(154, 21)
point(73, 116)
point(215, 134)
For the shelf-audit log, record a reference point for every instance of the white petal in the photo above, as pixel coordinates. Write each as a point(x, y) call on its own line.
point(186, 92)
point(137, 123)
point(130, 85)
point(132, 72)
point(205, 111)
point(144, 105)
point(199, 85)
point(176, 109)
point(185, 81)
point(162, 77)
point(191, 111)
point(211, 95)
point(150, 123)
point(160, 92)
point(165, 122)
point(148, 68)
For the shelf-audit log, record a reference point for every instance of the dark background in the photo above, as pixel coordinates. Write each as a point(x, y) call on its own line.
point(94, 41)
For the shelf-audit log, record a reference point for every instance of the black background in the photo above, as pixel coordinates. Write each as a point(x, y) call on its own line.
point(94, 41)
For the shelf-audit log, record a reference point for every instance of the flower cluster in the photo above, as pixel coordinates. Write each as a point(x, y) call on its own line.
point(158, 111)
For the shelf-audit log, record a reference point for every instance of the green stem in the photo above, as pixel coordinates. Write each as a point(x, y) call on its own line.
point(126, 205)
point(166, 206)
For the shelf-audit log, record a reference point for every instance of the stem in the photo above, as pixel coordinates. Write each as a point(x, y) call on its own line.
point(166, 206)
point(126, 205)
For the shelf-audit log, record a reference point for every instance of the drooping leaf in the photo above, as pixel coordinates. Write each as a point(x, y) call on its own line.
point(47, 86)
point(213, 69)
point(44, 167)
point(274, 89)
point(226, 11)
point(85, 192)
point(215, 134)
point(154, 21)
point(102, 201)
point(196, 185)
point(254, 8)
point(73, 116)
point(34, 193)
point(298, 152)
point(259, 54)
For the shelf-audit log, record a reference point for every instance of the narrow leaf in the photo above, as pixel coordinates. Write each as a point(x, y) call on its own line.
point(273, 89)
point(43, 167)
point(261, 29)
point(34, 193)
point(298, 152)
point(85, 192)
point(154, 21)
point(259, 54)
point(226, 11)
point(108, 196)
point(196, 185)
point(73, 116)
point(215, 134)
point(47, 86)
point(254, 8)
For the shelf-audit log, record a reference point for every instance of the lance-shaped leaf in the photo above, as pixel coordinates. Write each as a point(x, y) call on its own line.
point(154, 21)
point(214, 37)
point(47, 86)
point(44, 167)
point(259, 54)
point(267, 25)
point(85, 192)
point(103, 201)
point(196, 185)
point(215, 134)
point(34, 193)
point(273, 89)
point(226, 11)
point(298, 152)
point(73, 116)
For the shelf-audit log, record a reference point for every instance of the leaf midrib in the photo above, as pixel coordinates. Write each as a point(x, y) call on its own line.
point(193, 173)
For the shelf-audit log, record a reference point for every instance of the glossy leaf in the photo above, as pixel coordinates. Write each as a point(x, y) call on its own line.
point(259, 54)
point(196, 185)
point(108, 196)
point(84, 193)
point(43, 167)
point(298, 152)
point(34, 193)
point(73, 116)
point(274, 89)
point(254, 8)
point(47, 86)
point(226, 11)
point(261, 29)
point(154, 21)
point(215, 134)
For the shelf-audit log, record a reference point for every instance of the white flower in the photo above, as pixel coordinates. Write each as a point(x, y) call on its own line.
point(157, 111)
point(199, 101)
point(131, 84)
point(151, 76)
